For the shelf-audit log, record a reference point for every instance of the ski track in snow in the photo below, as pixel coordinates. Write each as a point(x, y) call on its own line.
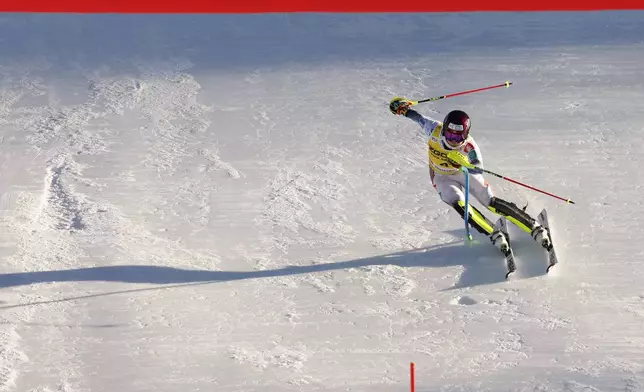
point(58, 228)
point(170, 226)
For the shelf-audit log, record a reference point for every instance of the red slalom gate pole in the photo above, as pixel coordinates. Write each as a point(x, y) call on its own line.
point(412, 376)
point(506, 84)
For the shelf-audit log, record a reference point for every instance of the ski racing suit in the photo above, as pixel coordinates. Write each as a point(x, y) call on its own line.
point(449, 180)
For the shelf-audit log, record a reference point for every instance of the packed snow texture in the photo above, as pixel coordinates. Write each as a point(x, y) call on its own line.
point(225, 203)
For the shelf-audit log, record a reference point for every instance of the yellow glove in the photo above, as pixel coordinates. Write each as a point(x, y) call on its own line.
point(399, 106)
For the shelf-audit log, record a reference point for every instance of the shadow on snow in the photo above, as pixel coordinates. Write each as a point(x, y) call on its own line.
point(482, 265)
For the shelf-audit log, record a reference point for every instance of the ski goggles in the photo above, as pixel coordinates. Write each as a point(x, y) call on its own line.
point(452, 136)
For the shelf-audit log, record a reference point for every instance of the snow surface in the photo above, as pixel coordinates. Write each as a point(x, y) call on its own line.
point(224, 203)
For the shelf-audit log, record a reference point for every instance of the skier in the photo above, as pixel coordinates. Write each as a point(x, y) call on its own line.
point(453, 135)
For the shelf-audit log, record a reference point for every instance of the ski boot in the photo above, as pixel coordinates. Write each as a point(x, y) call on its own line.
point(498, 239)
point(540, 234)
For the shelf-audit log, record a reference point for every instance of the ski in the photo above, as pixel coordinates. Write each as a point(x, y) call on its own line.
point(502, 226)
point(552, 255)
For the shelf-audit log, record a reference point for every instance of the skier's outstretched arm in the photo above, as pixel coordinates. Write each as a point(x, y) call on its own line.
point(402, 107)
point(428, 124)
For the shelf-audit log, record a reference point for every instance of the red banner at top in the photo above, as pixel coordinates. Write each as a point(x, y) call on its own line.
point(271, 6)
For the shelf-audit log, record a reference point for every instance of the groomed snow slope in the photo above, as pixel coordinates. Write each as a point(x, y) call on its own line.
point(224, 203)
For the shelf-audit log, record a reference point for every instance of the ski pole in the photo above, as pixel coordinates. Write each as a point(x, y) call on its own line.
point(506, 84)
point(466, 217)
point(460, 159)
point(528, 186)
